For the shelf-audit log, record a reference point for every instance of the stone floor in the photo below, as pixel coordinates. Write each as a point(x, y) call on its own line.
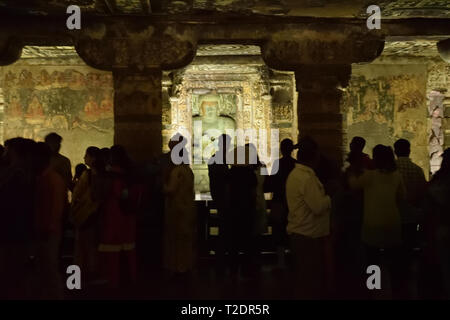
point(270, 284)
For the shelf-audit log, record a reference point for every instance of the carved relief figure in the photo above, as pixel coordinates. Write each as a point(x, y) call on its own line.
point(15, 108)
point(54, 78)
point(106, 106)
point(283, 113)
point(91, 110)
point(44, 79)
point(76, 80)
point(10, 79)
point(35, 112)
point(106, 80)
point(62, 79)
point(26, 79)
point(92, 80)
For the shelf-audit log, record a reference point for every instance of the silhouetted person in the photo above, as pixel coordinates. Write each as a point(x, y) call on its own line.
point(50, 205)
point(118, 221)
point(79, 169)
point(118, 217)
point(180, 216)
point(85, 207)
point(59, 163)
point(158, 172)
point(438, 209)
point(219, 185)
point(329, 174)
point(105, 154)
point(276, 183)
point(243, 184)
point(360, 159)
point(381, 229)
point(259, 224)
point(308, 222)
point(347, 214)
point(2, 162)
point(17, 219)
point(415, 185)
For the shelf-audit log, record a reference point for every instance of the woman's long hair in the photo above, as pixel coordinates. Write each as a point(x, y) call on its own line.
point(384, 159)
point(98, 164)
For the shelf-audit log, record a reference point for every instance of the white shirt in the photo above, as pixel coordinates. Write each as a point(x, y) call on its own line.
point(309, 206)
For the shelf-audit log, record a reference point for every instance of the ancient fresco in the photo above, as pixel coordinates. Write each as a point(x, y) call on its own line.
point(383, 109)
point(75, 102)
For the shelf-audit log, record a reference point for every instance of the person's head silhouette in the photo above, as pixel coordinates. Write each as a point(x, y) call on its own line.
point(357, 144)
point(286, 147)
point(308, 152)
point(402, 148)
point(53, 140)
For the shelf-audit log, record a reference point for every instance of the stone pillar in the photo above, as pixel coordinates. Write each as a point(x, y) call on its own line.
point(137, 112)
point(443, 47)
point(10, 49)
point(137, 53)
point(267, 105)
point(319, 111)
point(239, 108)
point(321, 57)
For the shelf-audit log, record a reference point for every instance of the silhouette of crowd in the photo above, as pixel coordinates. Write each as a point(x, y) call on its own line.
point(35, 181)
point(327, 224)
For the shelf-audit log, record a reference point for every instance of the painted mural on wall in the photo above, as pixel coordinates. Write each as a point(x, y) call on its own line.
point(436, 113)
point(75, 102)
point(386, 108)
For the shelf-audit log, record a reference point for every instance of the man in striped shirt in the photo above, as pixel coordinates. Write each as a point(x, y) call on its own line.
point(415, 183)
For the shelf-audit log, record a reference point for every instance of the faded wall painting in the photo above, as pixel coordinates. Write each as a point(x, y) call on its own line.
point(384, 108)
point(75, 102)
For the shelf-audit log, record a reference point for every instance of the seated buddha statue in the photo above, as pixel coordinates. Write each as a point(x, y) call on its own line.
point(213, 124)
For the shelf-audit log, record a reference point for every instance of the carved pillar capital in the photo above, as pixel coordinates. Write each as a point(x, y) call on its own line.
point(10, 49)
point(122, 45)
point(323, 45)
point(444, 49)
point(138, 112)
point(319, 108)
point(322, 77)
